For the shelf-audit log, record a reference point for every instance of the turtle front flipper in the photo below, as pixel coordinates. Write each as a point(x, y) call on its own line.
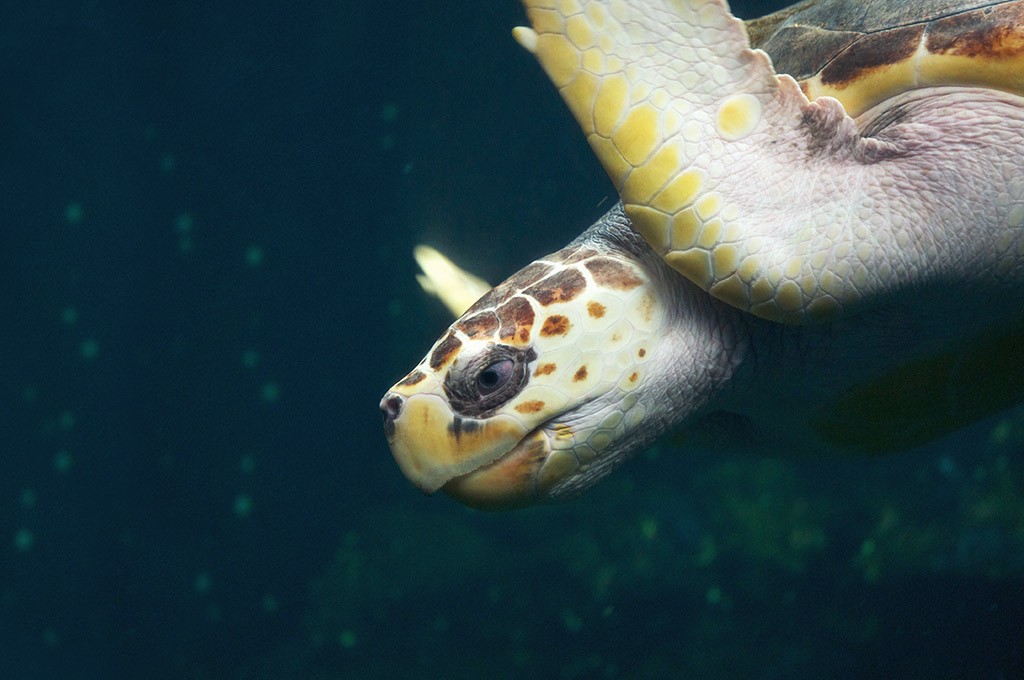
point(456, 288)
point(771, 202)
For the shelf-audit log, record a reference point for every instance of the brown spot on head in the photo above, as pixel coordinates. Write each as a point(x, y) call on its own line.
point(560, 287)
point(595, 309)
point(526, 276)
point(530, 406)
point(579, 254)
point(581, 374)
point(414, 378)
point(612, 274)
point(544, 369)
point(556, 324)
point(482, 325)
point(445, 351)
point(516, 319)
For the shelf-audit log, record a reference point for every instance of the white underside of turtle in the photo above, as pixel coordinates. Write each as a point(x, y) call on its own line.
point(780, 275)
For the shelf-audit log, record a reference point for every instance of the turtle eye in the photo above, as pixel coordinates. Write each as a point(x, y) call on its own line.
point(488, 380)
point(494, 376)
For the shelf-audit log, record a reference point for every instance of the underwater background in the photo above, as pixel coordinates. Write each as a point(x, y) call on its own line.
point(206, 218)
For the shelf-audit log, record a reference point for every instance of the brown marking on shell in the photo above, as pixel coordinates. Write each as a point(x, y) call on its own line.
point(530, 406)
point(526, 276)
point(641, 353)
point(414, 378)
point(556, 324)
point(482, 325)
point(516, 319)
point(991, 32)
point(445, 351)
point(581, 374)
point(801, 51)
point(633, 376)
point(612, 274)
point(872, 52)
point(595, 309)
point(544, 369)
point(560, 287)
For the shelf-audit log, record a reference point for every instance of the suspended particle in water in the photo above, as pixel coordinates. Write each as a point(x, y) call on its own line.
point(74, 212)
point(66, 420)
point(23, 540)
point(89, 349)
point(247, 464)
point(62, 462)
point(69, 316)
point(347, 639)
point(269, 604)
point(250, 358)
point(254, 256)
point(243, 505)
point(183, 224)
point(202, 583)
point(270, 392)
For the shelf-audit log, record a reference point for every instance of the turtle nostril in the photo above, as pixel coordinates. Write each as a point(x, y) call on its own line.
point(391, 406)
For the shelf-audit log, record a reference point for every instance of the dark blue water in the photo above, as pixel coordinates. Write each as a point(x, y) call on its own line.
point(206, 214)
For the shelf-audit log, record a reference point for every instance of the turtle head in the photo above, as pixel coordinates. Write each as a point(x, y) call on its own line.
point(538, 389)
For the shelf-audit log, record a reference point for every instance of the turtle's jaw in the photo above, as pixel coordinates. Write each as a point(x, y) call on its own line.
point(489, 464)
point(512, 481)
point(433, 447)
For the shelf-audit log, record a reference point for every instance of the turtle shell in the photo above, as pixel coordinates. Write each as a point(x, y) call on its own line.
point(864, 52)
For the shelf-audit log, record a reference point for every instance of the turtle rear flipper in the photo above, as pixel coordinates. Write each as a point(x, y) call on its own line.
point(771, 202)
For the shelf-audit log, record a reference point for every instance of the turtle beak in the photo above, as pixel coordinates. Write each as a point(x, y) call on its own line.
point(433, 446)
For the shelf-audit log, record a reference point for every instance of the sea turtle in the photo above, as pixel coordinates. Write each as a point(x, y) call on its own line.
point(827, 254)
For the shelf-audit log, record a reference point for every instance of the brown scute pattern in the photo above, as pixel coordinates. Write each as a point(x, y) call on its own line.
point(482, 325)
point(642, 353)
point(556, 324)
point(802, 51)
point(516, 319)
point(872, 52)
point(530, 406)
point(612, 274)
point(445, 350)
point(595, 309)
point(633, 376)
point(993, 32)
point(561, 287)
point(414, 378)
point(581, 374)
point(544, 369)
point(526, 276)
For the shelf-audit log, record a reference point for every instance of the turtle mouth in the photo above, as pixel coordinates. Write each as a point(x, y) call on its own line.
point(514, 480)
